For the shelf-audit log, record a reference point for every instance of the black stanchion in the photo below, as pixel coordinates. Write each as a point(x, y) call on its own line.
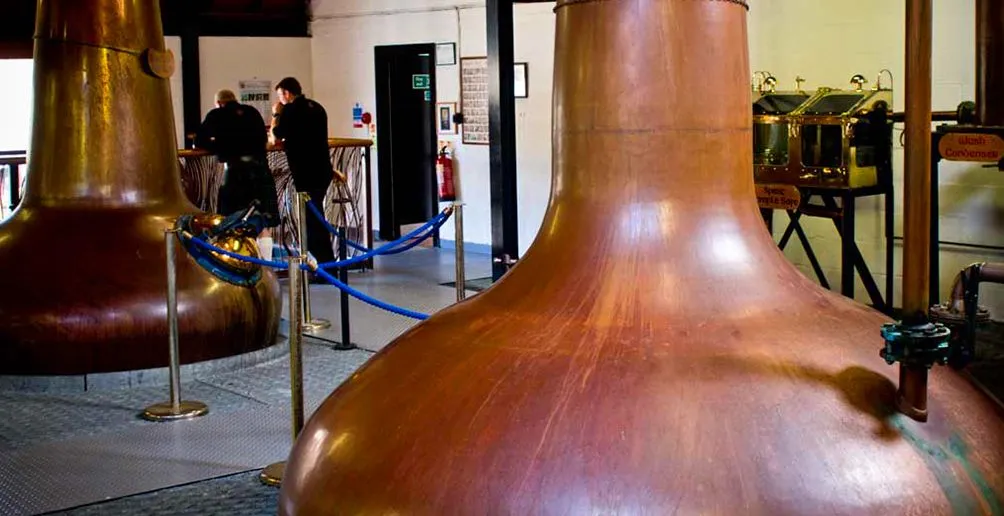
point(343, 276)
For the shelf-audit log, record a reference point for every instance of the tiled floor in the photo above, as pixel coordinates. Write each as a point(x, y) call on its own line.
point(77, 451)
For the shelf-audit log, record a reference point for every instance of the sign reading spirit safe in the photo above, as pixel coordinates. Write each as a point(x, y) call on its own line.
point(971, 147)
point(778, 197)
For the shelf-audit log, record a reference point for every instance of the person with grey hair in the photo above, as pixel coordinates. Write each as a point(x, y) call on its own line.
point(236, 133)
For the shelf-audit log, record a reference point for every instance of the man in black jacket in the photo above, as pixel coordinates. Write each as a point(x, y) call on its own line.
point(236, 133)
point(302, 125)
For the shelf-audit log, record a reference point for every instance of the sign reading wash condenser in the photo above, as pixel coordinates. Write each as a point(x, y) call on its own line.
point(971, 147)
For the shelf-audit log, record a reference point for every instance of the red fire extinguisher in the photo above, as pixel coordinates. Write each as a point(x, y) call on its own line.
point(444, 173)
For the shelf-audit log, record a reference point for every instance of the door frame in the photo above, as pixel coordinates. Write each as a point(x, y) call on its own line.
point(390, 227)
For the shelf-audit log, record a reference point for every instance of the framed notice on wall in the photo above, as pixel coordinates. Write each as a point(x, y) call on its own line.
point(257, 93)
point(474, 99)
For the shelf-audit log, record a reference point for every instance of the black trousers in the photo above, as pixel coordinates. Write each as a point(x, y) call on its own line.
point(247, 182)
point(319, 241)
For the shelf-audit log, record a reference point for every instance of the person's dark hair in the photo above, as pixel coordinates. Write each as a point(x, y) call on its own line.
point(291, 85)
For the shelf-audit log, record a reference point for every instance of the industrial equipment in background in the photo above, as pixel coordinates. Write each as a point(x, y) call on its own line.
point(834, 145)
point(831, 138)
point(974, 132)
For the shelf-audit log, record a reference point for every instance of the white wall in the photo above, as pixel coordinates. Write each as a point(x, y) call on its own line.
point(15, 132)
point(173, 43)
point(344, 36)
point(827, 42)
point(225, 61)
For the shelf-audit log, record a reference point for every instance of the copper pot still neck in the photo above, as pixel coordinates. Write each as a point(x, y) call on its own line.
point(103, 133)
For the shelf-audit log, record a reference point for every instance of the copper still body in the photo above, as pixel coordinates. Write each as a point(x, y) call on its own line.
point(85, 250)
point(653, 352)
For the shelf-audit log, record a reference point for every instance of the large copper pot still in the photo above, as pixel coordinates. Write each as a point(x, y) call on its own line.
point(653, 353)
point(83, 256)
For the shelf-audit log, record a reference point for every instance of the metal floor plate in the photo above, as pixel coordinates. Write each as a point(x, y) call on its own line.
point(233, 495)
point(64, 450)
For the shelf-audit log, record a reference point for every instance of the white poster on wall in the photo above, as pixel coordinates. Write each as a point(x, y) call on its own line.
point(257, 93)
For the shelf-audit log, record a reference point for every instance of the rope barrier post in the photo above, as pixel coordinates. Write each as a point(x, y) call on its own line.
point(458, 224)
point(310, 325)
point(272, 475)
point(343, 276)
point(176, 408)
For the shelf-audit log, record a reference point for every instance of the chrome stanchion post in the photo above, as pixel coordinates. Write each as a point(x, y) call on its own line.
point(310, 325)
point(343, 276)
point(176, 408)
point(272, 475)
point(458, 224)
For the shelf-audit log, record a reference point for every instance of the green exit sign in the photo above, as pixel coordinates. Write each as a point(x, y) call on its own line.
point(420, 82)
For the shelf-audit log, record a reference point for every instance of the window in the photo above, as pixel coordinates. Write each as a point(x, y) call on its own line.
point(16, 91)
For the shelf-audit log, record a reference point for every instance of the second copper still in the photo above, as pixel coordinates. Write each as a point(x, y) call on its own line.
point(85, 250)
point(653, 353)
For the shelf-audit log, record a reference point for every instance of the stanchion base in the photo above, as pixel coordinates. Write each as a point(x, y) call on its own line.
point(344, 347)
point(272, 474)
point(316, 325)
point(165, 411)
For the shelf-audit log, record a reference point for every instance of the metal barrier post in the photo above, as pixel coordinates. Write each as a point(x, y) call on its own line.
point(458, 224)
point(176, 408)
point(310, 325)
point(272, 475)
point(343, 276)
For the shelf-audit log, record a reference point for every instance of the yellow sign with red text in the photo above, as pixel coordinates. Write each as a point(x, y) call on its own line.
point(778, 197)
point(971, 147)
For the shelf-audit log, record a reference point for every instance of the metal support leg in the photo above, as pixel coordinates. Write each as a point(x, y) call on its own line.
point(310, 325)
point(811, 255)
point(847, 246)
point(272, 475)
point(343, 276)
point(857, 261)
point(176, 408)
point(795, 227)
point(461, 272)
point(890, 249)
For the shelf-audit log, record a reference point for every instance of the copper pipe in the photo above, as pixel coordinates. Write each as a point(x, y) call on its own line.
point(917, 176)
point(990, 62)
point(912, 398)
point(980, 272)
point(992, 273)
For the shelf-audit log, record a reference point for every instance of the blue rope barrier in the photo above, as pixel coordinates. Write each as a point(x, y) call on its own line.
point(373, 252)
point(425, 231)
point(367, 299)
point(241, 257)
point(357, 247)
point(416, 236)
point(331, 229)
point(320, 272)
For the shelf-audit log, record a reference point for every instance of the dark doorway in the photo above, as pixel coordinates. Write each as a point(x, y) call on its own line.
point(406, 136)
